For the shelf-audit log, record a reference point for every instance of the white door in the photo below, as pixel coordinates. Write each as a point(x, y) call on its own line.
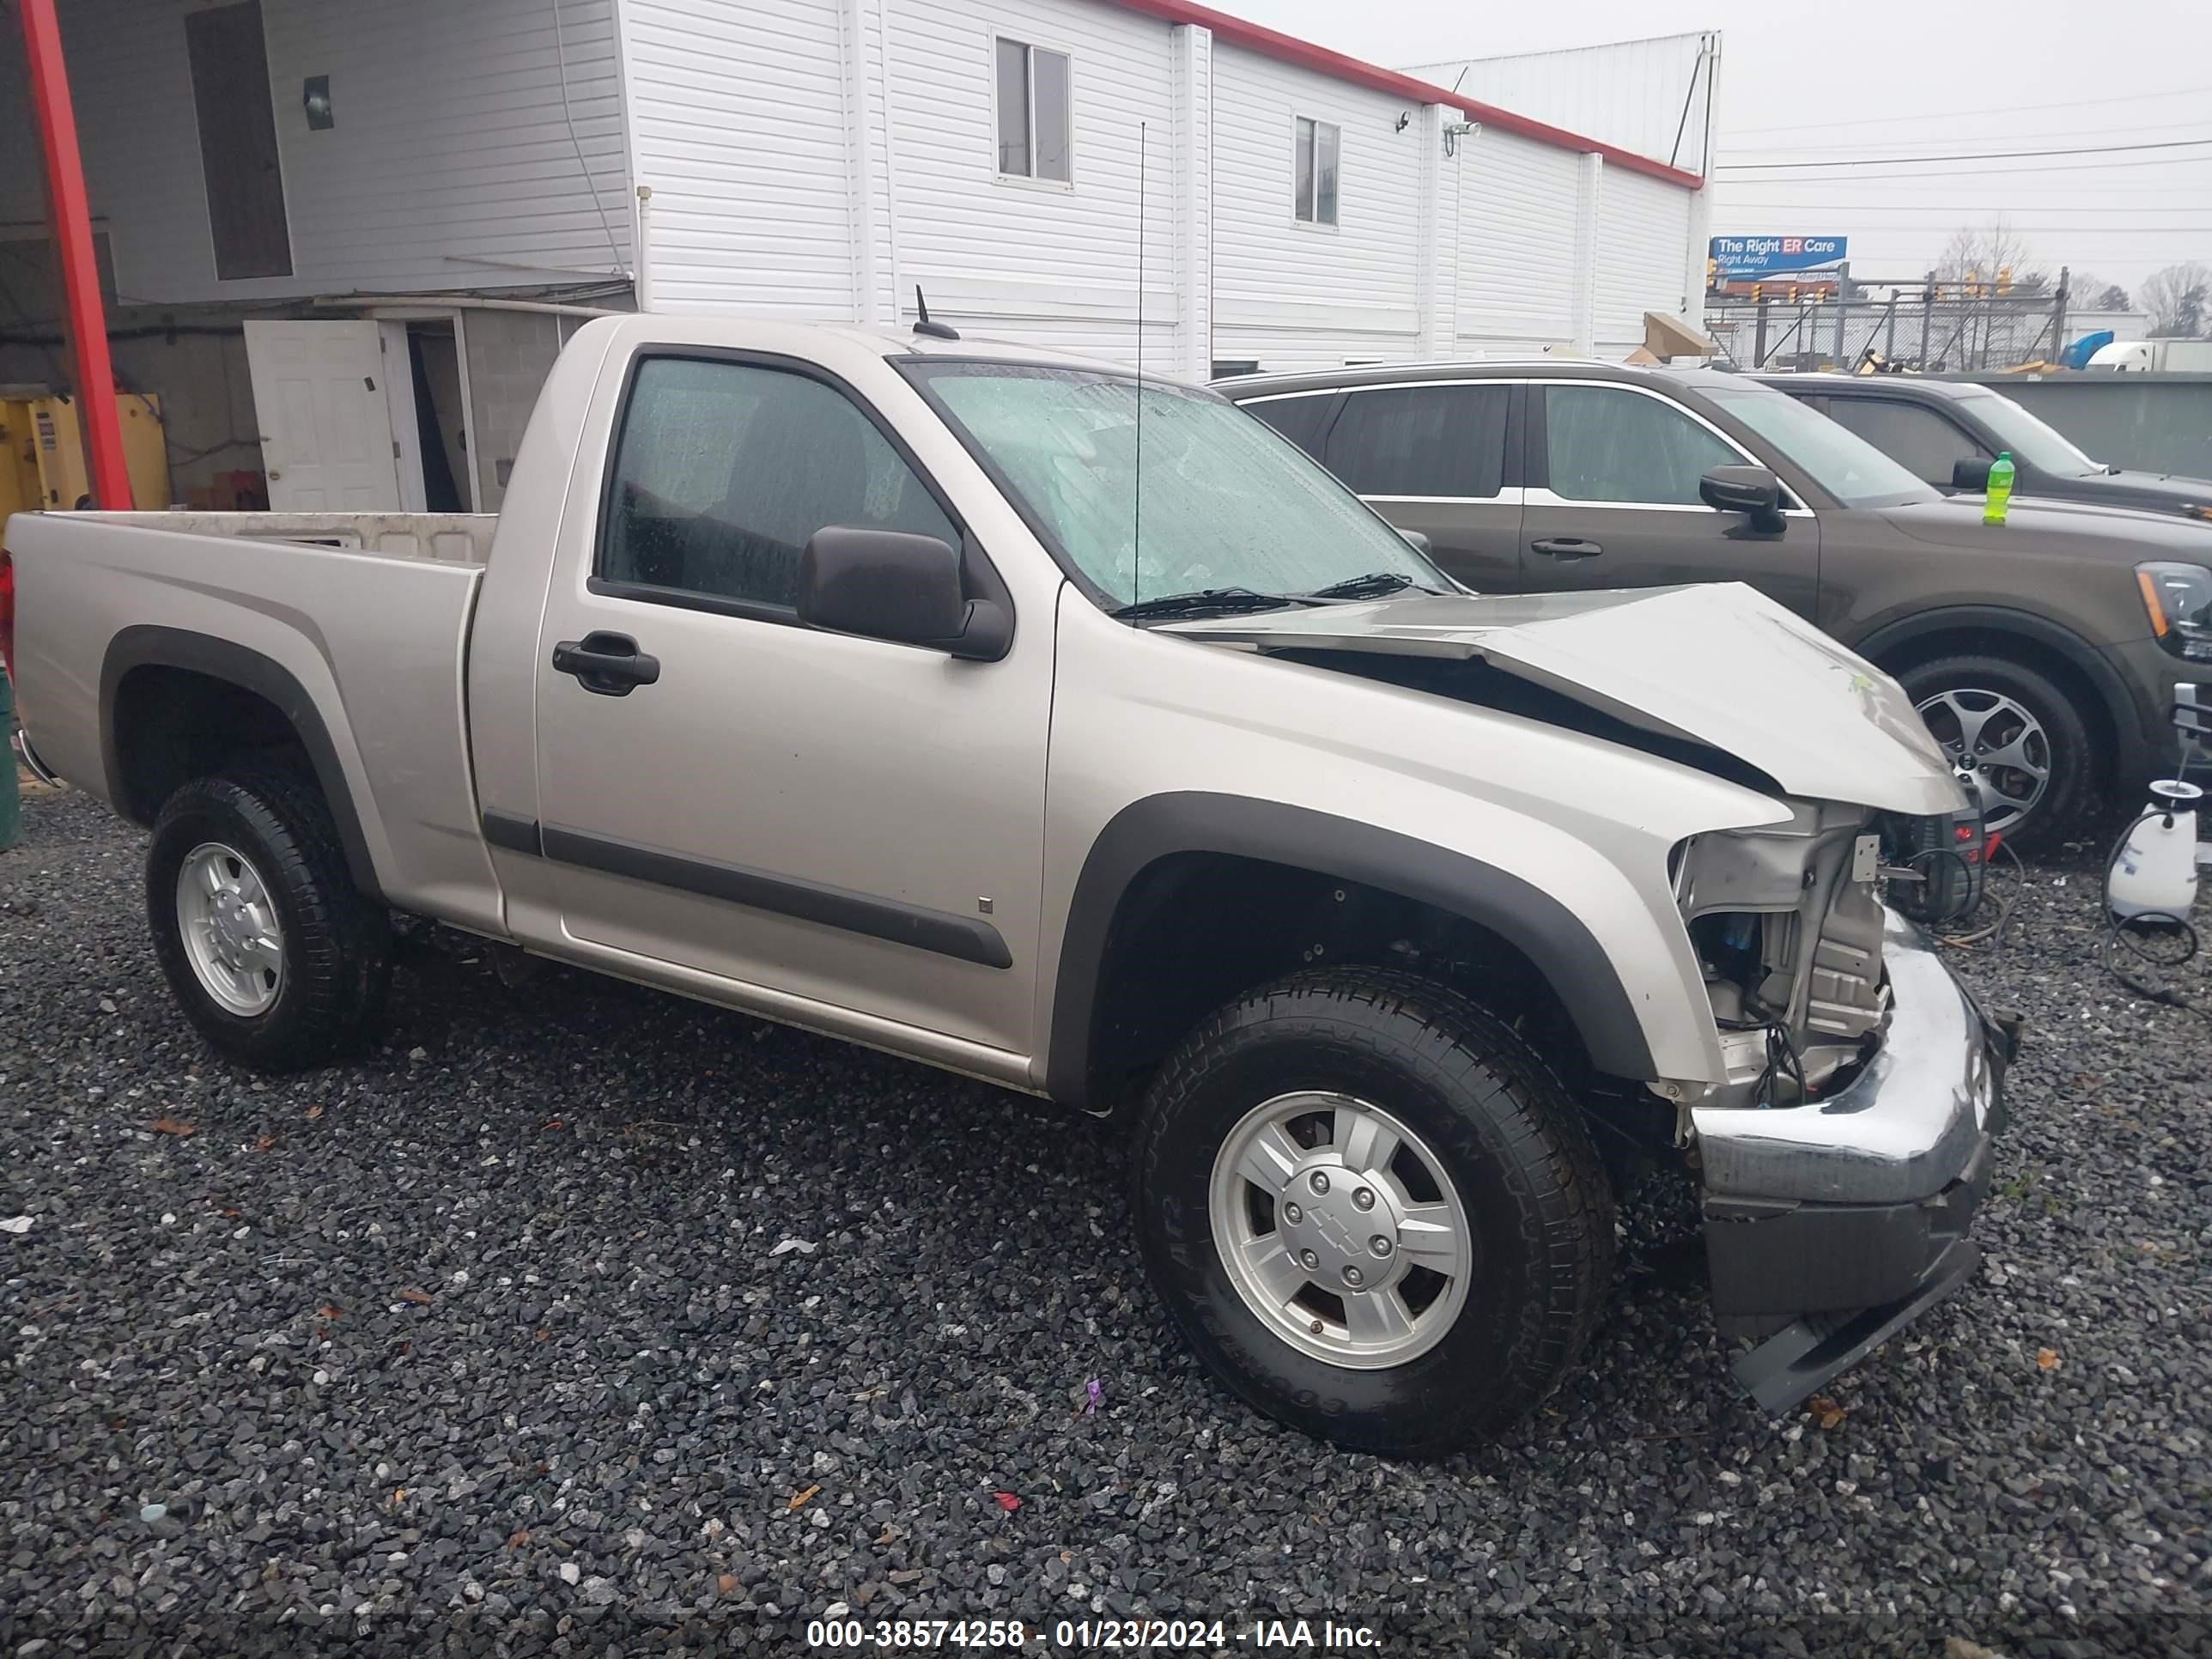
point(320, 400)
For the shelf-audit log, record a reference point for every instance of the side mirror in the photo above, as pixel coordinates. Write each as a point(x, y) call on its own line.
point(1418, 541)
point(1750, 489)
point(887, 585)
point(1970, 475)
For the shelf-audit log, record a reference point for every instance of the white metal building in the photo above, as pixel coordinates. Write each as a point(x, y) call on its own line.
point(1020, 161)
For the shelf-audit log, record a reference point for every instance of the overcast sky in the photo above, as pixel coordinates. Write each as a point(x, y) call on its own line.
point(1801, 82)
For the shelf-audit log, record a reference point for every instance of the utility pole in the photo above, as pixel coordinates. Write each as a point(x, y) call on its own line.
point(1759, 341)
point(1927, 316)
point(2058, 314)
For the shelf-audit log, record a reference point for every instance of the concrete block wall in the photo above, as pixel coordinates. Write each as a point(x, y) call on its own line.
point(507, 356)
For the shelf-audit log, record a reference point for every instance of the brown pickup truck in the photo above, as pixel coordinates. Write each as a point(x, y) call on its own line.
point(2045, 654)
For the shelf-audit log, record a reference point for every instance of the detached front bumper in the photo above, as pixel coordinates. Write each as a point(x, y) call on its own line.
point(1829, 1226)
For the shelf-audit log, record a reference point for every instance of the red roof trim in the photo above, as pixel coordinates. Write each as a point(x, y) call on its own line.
point(1289, 49)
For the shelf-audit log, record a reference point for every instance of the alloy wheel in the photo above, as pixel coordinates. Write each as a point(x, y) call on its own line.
point(1340, 1229)
point(231, 935)
point(1997, 745)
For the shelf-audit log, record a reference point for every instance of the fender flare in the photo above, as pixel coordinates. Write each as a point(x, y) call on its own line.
point(2119, 703)
point(150, 646)
point(1549, 934)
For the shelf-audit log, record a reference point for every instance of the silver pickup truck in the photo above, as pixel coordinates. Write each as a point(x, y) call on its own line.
point(964, 702)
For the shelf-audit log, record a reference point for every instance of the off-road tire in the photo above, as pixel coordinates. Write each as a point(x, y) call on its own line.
point(1539, 1210)
point(337, 942)
point(2067, 796)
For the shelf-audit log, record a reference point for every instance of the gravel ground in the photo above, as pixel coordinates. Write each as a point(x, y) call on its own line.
point(579, 1318)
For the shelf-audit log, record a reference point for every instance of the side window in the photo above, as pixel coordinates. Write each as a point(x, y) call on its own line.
point(1298, 419)
point(1421, 440)
point(1919, 439)
point(1606, 444)
point(723, 472)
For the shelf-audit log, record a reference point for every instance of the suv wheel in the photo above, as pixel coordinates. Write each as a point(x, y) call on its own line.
point(275, 954)
point(1372, 1210)
point(2013, 734)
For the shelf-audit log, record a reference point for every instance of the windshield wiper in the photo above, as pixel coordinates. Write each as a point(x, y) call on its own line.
point(1201, 599)
point(1372, 586)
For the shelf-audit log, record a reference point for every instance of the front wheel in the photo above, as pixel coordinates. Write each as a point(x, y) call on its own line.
point(2013, 734)
point(277, 958)
point(1372, 1210)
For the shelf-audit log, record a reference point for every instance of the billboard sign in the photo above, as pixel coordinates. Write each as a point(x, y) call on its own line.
point(1765, 256)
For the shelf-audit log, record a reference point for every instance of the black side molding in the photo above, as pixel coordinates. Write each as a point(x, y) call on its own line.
point(961, 938)
point(512, 833)
point(1551, 935)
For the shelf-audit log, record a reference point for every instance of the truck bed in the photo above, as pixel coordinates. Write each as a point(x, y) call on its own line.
point(362, 618)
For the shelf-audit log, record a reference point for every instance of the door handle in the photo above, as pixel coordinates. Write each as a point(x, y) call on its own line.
point(608, 664)
point(1566, 547)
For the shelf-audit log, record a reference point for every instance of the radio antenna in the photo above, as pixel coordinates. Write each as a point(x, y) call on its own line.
point(1137, 485)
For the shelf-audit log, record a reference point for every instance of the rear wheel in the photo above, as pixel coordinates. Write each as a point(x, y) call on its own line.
point(1372, 1210)
point(2015, 736)
point(277, 956)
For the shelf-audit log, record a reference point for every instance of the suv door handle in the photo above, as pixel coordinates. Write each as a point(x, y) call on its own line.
point(608, 664)
point(1566, 547)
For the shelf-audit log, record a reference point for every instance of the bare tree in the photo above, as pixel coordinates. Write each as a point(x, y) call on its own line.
point(2087, 291)
point(1988, 255)
point(2177, 297)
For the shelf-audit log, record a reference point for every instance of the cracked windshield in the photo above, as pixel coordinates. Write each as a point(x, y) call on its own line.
point(1224, 502)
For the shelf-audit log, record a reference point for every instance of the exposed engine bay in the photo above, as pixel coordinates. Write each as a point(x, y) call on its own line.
point(1786, 919)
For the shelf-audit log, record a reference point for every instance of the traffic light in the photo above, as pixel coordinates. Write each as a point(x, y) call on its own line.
point(1757, 293)
point(1793, 294)
point(2004, 279)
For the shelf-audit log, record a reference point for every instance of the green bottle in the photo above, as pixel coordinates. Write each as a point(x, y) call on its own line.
point(2000, 497)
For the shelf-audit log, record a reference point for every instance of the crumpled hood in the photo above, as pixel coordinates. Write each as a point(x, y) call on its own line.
point(1719, 664)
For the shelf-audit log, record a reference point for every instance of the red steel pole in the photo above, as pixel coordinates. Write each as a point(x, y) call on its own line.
point(72, 222)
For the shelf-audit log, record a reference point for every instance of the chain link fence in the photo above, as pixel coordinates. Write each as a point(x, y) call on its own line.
point(1932, 336)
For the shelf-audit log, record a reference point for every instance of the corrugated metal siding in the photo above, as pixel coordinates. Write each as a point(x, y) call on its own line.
point(1056, 263)
point(1295, 295)
point(1630, 94)
point(1516, 242)
point(741, 131)
point(450, 148)
point(1643, 230)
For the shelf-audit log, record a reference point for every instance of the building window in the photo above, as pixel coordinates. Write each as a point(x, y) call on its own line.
point(1316, 172)
point(1034, 112)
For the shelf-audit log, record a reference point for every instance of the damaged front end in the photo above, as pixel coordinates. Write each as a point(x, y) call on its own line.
point(1842, 1155)
point(1787, 922)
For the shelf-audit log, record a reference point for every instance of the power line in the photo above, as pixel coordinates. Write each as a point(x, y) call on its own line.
point(1953, 115)
point(1969, 156)
point(1886, 206)
point(2163, 128)
point(2070, 231)
point(1891, 190)
point(1886, 180)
